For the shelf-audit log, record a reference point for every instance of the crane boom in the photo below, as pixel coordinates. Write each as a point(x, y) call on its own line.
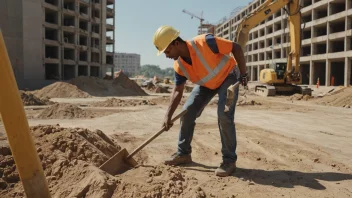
point(263, 12)
point(193, 15)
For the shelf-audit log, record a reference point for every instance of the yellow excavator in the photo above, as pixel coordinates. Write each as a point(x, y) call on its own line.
point(281, 77)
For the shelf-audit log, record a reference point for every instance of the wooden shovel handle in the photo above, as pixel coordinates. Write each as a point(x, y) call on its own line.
point(155, 135)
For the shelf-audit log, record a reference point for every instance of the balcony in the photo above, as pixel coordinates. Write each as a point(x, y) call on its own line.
point(110, 13)
point(86, 2)
point(50, 6)
point(109, 40)
point(109, 27)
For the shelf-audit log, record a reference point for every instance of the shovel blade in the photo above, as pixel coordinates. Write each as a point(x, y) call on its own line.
point(118, 163)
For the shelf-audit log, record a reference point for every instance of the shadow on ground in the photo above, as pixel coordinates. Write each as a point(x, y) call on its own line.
point(279, 178)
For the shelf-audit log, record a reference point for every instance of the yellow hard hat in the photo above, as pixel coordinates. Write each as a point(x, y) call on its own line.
point(163, 36)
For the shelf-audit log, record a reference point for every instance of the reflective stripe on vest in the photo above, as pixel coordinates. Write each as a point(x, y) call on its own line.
point(211, 73)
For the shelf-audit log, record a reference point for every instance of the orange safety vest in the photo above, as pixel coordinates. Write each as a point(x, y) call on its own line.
point(208, 69)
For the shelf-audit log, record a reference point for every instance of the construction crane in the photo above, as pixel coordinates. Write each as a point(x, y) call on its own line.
point(201, 19)
point(193, 15)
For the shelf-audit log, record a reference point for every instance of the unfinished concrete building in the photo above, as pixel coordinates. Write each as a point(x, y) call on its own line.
point(326, 51)
point(51, 40)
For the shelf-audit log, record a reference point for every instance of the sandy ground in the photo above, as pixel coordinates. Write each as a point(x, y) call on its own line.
point(285, 149)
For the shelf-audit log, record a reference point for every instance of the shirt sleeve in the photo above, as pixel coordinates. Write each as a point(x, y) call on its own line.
point(225, 46)
point(179, 80)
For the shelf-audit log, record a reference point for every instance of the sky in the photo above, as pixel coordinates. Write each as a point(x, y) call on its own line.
point(136, 22)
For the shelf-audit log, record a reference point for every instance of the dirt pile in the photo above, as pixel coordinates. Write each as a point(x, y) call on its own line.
point(340, 98)
point(88, 86)
point(300, 97)
point(157, 88)
point(64, 111)
point(120, 86)
point(130, 87)
point(70, 157)
point(115, 102)
point(30, 99)
point(61, 90)
point(250, 103)
point(159, 181)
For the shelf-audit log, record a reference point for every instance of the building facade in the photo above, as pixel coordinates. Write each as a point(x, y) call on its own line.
point(128, 63)
point(326, 51)
point(51, 40)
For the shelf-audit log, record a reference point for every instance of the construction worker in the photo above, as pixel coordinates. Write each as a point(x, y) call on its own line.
point(205, 60)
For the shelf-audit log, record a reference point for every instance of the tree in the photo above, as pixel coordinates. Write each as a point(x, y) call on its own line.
point(150, 71)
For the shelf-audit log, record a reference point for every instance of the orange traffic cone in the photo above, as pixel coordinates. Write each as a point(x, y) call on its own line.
point(318, 83)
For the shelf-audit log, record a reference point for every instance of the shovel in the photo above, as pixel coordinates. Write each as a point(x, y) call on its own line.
point(122, 160)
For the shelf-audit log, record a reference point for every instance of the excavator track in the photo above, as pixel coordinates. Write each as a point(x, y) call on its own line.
point(272, 90)
point(265, 90)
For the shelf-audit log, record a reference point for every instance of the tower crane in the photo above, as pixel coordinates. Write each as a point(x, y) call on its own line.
point(193, 15)
point(201, 19)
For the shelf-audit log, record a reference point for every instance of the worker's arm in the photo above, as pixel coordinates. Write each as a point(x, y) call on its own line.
point(175, 99)
point(239, 56)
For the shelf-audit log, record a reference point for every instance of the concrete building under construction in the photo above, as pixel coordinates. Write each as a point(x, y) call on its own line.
point(326, 51)
point(51, 40)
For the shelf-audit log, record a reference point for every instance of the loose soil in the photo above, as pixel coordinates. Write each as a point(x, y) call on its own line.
point(61, 90)
point(120, 86)
point(70, 157)
point(115, 102)
point(300, 97)
point(340, 98)
point(29, 99)
point(64, 111)
point(88, 86)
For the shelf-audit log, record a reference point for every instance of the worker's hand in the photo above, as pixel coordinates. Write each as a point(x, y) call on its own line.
point(167, 123)
point(244, 79)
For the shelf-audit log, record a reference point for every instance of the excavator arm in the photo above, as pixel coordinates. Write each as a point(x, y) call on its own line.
point(263, 12)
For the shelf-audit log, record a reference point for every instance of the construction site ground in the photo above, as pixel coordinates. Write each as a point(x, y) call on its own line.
point(286, 148)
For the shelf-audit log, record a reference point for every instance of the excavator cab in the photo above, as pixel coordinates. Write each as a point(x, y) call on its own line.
point(280, 69)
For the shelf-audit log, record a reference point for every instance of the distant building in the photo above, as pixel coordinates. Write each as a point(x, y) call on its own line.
point(129, 63)
point(52, 40)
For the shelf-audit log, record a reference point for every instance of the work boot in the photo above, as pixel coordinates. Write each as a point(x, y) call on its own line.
point(225, 169)
point(177, 159)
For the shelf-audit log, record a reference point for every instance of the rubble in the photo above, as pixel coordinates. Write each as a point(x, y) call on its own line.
point(29, 99)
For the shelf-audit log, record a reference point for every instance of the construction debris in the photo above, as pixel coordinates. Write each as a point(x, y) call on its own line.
point(29, 99)
point(300, 97)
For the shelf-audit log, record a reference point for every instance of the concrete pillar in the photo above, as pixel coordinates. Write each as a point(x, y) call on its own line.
point(252, 73)
point(76, 70)
point(311, 73)
point(88, 70)
point(328, 73)
point(347, 71)
point(258, 72)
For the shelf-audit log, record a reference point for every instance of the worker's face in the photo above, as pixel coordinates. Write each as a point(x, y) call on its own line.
point(172, 51)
